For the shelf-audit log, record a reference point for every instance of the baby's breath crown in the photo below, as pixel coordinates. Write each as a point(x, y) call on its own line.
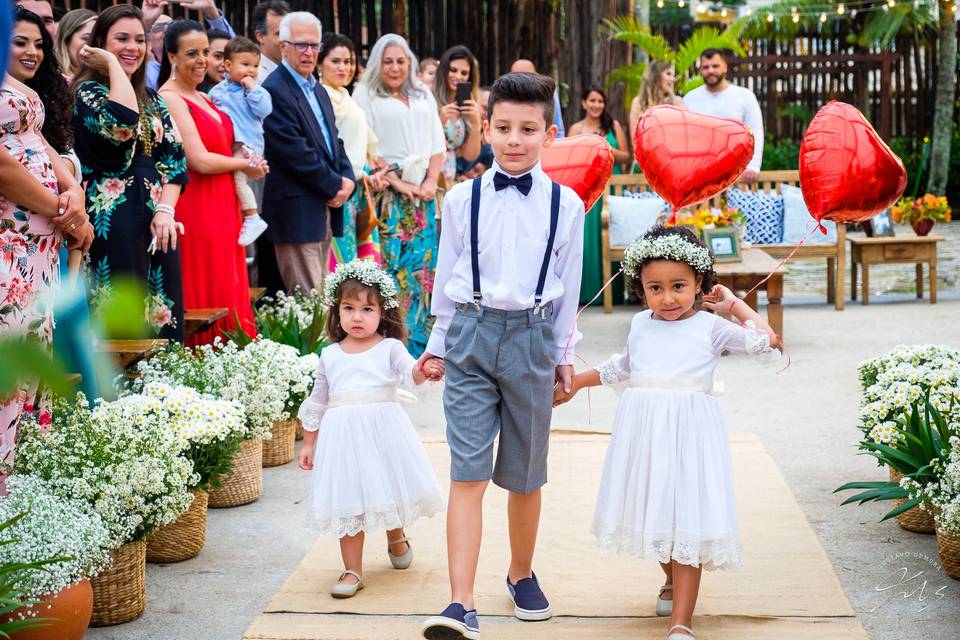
point(367, 272)
point(670, 247)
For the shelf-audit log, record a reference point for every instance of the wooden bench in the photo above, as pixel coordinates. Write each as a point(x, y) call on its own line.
point(256, 293)
point(834, 253)
point(126, 353)
point(195, 320)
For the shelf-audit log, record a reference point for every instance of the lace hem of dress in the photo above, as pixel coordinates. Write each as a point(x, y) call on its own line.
point(310, 414)
point(723, 553)
point(612, 373)
point(757, 344)
point(379, 519)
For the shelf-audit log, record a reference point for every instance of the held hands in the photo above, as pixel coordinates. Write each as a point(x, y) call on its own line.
point(346, 190)
point(256, 168)
point(432, 367)
point(564, 388)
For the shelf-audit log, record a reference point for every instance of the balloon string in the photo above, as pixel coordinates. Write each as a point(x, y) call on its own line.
point(576, 318)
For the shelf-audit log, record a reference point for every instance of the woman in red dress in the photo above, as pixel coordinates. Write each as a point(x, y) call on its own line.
point(214, 265)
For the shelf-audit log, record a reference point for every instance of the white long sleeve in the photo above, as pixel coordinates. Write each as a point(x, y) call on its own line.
point(312, 410)
point(736, 103)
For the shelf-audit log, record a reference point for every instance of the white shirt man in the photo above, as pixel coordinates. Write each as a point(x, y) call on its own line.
point(718, 97)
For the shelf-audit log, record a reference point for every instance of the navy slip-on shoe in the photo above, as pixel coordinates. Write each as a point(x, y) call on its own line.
point(455, 623)
point(529, 602)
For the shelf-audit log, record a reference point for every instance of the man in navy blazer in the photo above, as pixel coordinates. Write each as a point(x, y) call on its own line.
point(310, 174)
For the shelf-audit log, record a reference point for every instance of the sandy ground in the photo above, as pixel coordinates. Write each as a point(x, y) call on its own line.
point(805, 416)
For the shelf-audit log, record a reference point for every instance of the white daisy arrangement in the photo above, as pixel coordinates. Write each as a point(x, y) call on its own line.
point(300, 304)
point(667, 247)
point(51, 526)
point(893, 381)
point(124, 462)
point(367, 272)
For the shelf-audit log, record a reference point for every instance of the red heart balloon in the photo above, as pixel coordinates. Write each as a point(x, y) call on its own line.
point(847, 173)
point(584, 163)
point(689, 157)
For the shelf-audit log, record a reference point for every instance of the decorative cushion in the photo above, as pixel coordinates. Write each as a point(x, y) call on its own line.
point(764, 212)
point(797, 222)
point(632, 216)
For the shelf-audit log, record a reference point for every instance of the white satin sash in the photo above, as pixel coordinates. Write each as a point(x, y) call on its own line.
point(369, 396)
point(703, 384)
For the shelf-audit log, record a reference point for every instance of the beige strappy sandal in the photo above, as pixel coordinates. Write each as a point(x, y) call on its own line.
point(344, 589)
point(680, 636)
point(402, 561)
point(665, 607)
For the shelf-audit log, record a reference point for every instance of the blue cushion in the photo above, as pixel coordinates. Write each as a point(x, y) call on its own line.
point(764, 212)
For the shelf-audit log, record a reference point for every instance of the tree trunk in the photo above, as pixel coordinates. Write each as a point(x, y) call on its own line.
point(943, 105)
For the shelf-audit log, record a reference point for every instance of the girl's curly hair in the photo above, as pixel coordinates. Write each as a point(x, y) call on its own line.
point(635, 284)
point(391, 320)
point(52, 89)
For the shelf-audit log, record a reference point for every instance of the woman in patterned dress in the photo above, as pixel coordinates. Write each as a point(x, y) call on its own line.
point(30, 239)
point(403, 114)
point(134, 168)
point(461, 123)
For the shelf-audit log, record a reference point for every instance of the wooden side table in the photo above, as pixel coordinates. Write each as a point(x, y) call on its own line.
point(743, 275)
point(896, 250)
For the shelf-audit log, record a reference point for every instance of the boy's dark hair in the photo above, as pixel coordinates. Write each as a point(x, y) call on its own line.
point(635, 284)
point(391, 320)
point(709, 53)
point(240, 44)
point(523, 88)
point(258, 21)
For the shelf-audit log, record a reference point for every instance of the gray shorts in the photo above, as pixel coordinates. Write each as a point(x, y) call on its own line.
point(499, 379)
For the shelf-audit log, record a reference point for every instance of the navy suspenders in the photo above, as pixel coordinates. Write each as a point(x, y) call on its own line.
point(475, 251)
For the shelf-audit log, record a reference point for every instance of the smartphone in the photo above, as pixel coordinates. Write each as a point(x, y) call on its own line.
point(463, 92)
point(393, 166)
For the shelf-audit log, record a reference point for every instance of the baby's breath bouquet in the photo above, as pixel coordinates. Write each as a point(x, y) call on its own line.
point(944, 494)
point(209, 431)
point(118, 458)
point(297, 319)
point(52, 526)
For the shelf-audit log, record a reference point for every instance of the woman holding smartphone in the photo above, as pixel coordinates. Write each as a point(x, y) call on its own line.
point(456, 87)
point(361, 238)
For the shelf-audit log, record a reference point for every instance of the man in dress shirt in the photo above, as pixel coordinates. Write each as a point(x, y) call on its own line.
point(155, 23)
point(266, 29)
point(310, 171)
point(718, 97)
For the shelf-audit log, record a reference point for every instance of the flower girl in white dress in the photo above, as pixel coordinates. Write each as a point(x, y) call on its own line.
point(667, 487)
point(369, 469)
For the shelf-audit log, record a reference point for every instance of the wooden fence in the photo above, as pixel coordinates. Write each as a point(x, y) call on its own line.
point(894, 88)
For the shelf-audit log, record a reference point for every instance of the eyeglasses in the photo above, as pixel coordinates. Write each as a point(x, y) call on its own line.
point(303, 47)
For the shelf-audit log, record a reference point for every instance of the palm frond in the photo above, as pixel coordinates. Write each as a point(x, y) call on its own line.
point(631, 76)
point(629, 29)
point(698, 42)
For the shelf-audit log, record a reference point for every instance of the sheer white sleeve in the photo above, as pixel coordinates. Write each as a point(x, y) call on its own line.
point(402, 364)
point(743, 339)
point(313, 408)
point(616, 370)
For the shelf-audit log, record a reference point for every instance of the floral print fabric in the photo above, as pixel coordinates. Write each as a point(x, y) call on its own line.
point(455, 132)
point(127, 157)
point(29, 253)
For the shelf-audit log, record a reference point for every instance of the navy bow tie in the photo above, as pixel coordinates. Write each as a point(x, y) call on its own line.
point(523, 184)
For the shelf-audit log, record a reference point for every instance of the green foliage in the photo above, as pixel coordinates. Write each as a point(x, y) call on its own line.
point(780, 155)
point(298, 321)
point(26, 360)
point(684, 58)
point(12, 595)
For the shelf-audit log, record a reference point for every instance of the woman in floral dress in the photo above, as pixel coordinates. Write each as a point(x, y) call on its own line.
point(134, 167)
point(30, 240)
point(403, 114)
point(461, 123)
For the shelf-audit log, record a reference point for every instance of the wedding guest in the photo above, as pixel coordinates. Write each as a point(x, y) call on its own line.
point(427, 71)
point(156, 22)
point(34, 221)
point(461, 122)
point(656, 88)
point(360, 236)
point(73, 33)
point(312, 177)
point(44, 9)
point(403, 114)
point(214, 265)
point(133, 167)
point(216, 72)
point(266, 30)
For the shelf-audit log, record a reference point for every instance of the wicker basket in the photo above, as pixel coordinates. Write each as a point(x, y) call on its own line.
point(299, 429)
point(915, 519)
point(245, 482)
point(948, 546)
point(278, 450)
point(120, 592)
point(183, 538)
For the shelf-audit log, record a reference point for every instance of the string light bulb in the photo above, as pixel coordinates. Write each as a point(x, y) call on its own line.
point(769, 17)
point(701, 8)
point(681, 4)
point(841, 9)
point(853, 14)
point(891, 3)
point(723, 13)
point(749, 12)
point(823, 17)
point(659, 4)
point(796, 18)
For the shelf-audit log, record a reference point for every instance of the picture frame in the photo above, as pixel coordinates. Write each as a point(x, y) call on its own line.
point(723, 243)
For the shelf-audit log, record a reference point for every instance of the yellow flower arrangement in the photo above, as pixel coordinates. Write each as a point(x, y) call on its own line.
point(926, 207)
point(705, 218)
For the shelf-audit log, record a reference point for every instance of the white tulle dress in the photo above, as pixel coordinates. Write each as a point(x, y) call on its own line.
point(667, 486)
point(370, 471)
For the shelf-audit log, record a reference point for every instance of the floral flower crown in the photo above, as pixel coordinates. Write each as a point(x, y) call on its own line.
point(669, 247)
point(367, 272)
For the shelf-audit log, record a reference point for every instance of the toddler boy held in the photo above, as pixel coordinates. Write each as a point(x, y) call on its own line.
point(505, 300)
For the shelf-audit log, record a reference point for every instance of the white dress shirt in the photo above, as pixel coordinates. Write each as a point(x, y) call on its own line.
point(267, 66)
point(404, 131)
point(512, 236)
point(736, 103)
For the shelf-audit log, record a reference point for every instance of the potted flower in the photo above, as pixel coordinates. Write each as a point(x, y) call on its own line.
point(921, 213)
point(128, 469)
point(711, 218)
point(43, 524)
point(944, 494)
point(209, 432)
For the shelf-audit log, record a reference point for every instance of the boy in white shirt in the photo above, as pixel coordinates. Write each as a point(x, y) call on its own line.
point(505, 299)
